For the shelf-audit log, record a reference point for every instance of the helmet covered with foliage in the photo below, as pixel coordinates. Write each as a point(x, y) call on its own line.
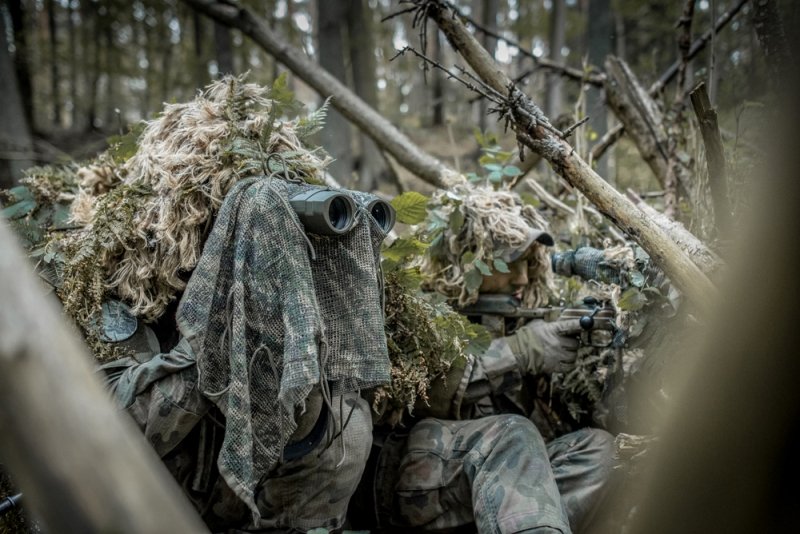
point(140, 212)
point(475, 231)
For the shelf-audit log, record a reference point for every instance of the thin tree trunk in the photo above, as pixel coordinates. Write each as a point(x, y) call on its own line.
point(83, 465)
point(166, 57)
point(224, 49)
point(553, 96)
point(73, 65)
point(19, 25)
point(52, 33)
point(16, 143)
point(362, 58)
point(600, 32)
point(489, 20)
point(715, 157)
point(112, 118)
point(770, 33)
point(90, 22)
point(335, 137)
point(200, 71)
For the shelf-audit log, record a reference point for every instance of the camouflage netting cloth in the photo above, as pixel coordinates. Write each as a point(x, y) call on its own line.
point(271, 314)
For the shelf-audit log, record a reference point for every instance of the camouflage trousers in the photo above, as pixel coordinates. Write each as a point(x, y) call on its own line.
point(498, 473)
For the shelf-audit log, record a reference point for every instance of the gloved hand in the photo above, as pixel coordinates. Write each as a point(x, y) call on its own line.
point(546, 347)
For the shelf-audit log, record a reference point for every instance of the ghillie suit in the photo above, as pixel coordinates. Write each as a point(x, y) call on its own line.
point(200, 211)
point(139, 221)
point(470, 230)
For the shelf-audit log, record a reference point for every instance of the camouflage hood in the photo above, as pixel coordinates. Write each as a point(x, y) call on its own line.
point(265, 313)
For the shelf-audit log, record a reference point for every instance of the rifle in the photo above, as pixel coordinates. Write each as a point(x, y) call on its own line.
point(593, 315)
point(9, 503)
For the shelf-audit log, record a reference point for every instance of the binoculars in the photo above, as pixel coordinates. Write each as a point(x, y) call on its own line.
point(332, 212)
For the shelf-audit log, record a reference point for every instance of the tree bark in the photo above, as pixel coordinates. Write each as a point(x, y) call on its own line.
point(715, 157)
point(336, 136)
point(396, 143)
point(771, 36)
point(18, 23)
point(16, 143)
point(82, 465)
point(224, 49)
point(553, 96)
point(534, 131)
point(73, 65)
point(600, 32)
point(55, 94)
point(372, 166)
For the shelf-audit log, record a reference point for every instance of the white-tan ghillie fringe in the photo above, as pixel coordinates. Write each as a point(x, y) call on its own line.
point(187, 160)
point(491, 219)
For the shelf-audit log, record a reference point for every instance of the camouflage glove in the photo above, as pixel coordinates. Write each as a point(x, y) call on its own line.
point(546, 347)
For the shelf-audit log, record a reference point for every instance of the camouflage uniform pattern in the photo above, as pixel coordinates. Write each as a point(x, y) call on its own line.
point(493, 467)
point(160, 392)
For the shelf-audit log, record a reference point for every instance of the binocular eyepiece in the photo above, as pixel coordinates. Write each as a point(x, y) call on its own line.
point(331, 212)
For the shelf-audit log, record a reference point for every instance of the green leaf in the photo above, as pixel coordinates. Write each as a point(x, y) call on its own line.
point(20, 209)
point(20, 192)
point(482, 267)
point(500, 266)
point(636, 279)
point(473, 280)
point(403, 248)
point(530, 199)
point(467, 258)
point(456, 221)
point(493, 167)
point(472, 177)
point(510, 170)
point(496, 177)
point(632, 300)
point(410, 207)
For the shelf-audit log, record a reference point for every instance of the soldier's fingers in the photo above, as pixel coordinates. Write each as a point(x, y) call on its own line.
point(570, 344)
point(568, 327)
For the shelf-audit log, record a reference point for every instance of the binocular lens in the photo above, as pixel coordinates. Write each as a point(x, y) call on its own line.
point(339, 213)
point(383, 213)
point(323, 211)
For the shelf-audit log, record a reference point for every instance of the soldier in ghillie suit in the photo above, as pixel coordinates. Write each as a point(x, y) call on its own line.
point(220, 324)
point(480, 458)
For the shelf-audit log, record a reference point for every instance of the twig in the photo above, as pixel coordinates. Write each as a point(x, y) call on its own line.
point(568, 131)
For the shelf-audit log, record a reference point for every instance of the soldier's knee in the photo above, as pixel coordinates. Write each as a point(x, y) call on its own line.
point(517, 431)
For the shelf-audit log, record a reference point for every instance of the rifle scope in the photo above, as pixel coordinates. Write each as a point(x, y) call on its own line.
point(323, 211)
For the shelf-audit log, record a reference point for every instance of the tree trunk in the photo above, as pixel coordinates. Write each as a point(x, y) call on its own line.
point(488, 20)
point(437, 80)
point(715, 158)
point(52, 35)
point(112, 118)
point(362, 58)
point(335, 137)
point(201, 70)
point(166, 57)
point(553, 96)
point(769, 29)
point(600, 32)
point(19, 25)
point(73, 65)
point(91, 39)
point(83, 466)
point(16, 143)
point(224, 49)
point(534, 131)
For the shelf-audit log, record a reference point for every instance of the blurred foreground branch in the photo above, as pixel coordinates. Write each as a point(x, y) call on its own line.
point(82, 464)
